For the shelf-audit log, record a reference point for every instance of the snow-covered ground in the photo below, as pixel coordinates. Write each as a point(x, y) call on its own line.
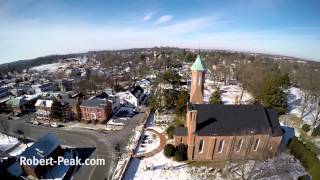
point(229, 94)
point(151, 142)
point(156, 167)
point(295, 102)
point(7, 142)
point(283, 166)
point(49, 67)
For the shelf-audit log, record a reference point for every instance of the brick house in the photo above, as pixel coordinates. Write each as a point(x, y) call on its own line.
point(226, 132)
point(71, 107)
point(95, 109)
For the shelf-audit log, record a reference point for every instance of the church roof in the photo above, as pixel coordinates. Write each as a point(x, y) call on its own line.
point(235, 120)
point(198, 64)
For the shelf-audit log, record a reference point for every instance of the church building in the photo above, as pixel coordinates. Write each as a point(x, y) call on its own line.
point(226, 132)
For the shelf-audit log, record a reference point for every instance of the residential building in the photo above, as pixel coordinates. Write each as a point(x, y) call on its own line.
point(17, 104)
point(46, 87)
point(43, 108)
point(65, 85)
point(226, 132)
point(71, 108)
point(95, 110)
point(128, 99)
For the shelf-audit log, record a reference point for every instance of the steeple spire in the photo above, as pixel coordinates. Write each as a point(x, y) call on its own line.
point(197, 80)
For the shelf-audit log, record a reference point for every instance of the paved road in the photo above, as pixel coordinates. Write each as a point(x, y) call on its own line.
point(106, 145)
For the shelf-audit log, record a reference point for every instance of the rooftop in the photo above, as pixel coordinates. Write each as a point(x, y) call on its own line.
point(235, 119)
point(198, 64)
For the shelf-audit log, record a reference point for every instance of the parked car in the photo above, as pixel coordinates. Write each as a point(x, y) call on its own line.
point(36, 123)
point(56, 125)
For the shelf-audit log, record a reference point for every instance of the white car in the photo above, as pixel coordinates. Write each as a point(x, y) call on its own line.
point(55, 125)
point(35, 122)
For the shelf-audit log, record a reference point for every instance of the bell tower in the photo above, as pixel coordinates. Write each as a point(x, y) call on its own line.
point(197, 81)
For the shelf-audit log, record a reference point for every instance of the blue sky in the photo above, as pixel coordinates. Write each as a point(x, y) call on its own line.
point(32, 28)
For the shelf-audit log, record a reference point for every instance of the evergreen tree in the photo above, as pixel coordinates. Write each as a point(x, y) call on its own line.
point(56, 110)
point(181, 103)
point(215, 97)
point(272, 96)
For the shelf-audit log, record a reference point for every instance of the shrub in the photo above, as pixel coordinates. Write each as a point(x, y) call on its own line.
point(316, 131)
point(181, 153)
point(306, 127)
point(304, 177)
point(170, 131)
point(169, 150)
point(307, 158)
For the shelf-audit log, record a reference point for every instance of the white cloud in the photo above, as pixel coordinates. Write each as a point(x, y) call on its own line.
point(150, 15)
point(32, 39)
point(164, 19)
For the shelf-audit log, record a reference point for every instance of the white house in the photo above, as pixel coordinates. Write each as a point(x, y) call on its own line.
point(128, 99)
point(43, 108)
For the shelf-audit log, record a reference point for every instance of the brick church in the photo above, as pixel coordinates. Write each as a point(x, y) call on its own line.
point(226, 132)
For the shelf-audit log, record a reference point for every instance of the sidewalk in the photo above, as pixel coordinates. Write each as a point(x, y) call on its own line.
point(163, 142)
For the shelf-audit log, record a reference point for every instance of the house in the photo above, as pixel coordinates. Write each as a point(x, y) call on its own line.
point(138, 92)
point(46, 87)
point(95, 110)
point(43, 108)
point(71, 108)
point(5, 96)
point(17, 104)
point(226, 132)
point(46, 147)
point(128, 99)
point(65, 85)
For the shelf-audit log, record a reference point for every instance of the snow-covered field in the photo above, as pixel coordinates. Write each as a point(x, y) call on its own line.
point(49, 67)
point(229, 94)
point(156, 167)
point(295, 101)
point(7, 142)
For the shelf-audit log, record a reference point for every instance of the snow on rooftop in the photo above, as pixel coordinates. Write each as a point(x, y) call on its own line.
point(7, 142)
point(19, 149)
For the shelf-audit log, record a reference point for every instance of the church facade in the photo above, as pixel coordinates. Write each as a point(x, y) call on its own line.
point(226, 132)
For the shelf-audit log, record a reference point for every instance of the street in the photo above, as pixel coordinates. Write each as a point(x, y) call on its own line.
point(107, 146)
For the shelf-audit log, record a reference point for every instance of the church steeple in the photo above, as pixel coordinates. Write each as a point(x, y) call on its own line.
point(197, 81)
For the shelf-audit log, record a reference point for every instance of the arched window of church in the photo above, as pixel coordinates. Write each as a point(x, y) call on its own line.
point(201, 145)
point(239, 145)
point(256, 144)
point(220, 148)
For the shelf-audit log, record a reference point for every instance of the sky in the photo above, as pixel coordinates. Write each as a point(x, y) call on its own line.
point(33, 28)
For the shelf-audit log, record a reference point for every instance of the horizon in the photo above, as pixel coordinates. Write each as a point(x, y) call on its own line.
point(32, 29)
point(186, 48)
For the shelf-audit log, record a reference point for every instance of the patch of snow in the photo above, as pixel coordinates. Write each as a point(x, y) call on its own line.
point(49, 67)
point(229, 93)
point(157, 167)
point(7, 142)
point(295, 101)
